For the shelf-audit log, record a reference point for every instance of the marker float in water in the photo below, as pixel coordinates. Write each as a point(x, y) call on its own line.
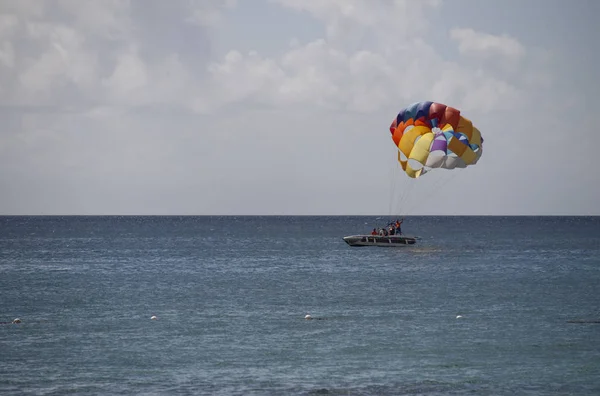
point(309, 317)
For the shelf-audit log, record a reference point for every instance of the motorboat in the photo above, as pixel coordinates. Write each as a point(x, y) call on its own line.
point(380, 240)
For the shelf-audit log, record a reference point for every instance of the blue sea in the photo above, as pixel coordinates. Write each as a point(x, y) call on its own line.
point(480, 305)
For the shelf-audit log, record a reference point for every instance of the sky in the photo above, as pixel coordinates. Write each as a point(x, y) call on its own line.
point(283, 107)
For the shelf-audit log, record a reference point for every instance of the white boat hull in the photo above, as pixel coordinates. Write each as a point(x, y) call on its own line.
point(382, 241)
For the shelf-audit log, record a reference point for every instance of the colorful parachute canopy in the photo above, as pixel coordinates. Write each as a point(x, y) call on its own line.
point(432, 135)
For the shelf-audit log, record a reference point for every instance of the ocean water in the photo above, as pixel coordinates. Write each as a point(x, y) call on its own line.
point(230, 295)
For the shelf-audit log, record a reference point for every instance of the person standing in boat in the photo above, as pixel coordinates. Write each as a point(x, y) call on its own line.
point(374, 232)
point(399, 226)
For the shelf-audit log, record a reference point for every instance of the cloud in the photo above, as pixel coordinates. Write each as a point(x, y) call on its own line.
point(97, 58)
point(379, 25)
point(109, 19)
point(470, 41)
point(7, 54)
point(98, 54)
point(208, 12)
point(367, 13)
point(323, 74)
point(8, 24)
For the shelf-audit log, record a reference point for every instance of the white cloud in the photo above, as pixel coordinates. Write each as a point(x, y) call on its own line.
point(63, 61)
point(369, 13)
point(93, 57)
point(24, 8)
point(208, 12)
point(107, 18)
point(382, 24)
point(8, 24)
point(470, 41)
point(7, 54)
point(129, 77)
point(324, 72)
point(320, 73)
point(240, 77)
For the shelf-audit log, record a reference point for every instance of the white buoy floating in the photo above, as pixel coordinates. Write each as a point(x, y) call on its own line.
point(153, 317)
point(458, 316)
point(16, 321)
point(308, 317)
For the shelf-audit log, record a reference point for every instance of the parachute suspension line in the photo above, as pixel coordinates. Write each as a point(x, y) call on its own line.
point(393, 180)
point(426, 196)
point(397, 202)
point(404, 196)
point(444, 177)
point(396, 187)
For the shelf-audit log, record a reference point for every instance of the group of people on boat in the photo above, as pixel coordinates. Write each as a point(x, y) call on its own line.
point(393, 228)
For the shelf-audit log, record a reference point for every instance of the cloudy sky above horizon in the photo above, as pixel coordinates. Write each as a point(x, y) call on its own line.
point(283, 106)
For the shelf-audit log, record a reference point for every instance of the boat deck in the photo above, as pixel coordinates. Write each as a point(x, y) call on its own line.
point(378, 240)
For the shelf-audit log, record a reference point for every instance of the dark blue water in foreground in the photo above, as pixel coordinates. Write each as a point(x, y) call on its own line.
point(230, 295)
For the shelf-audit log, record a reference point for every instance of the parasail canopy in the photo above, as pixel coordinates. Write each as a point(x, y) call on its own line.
point(432, 135)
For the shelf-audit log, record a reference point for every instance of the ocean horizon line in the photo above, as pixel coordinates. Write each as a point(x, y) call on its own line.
point(298, 215)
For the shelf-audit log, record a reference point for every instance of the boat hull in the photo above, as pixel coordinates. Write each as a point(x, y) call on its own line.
point(381, 241)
